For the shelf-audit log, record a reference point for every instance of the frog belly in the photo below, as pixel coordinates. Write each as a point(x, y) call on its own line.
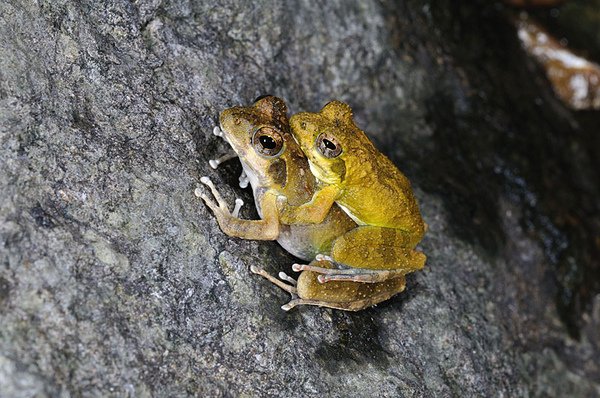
point(298, 243)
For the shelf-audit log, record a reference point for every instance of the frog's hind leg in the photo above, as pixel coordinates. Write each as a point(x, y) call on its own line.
point(369, 254)
point(349, 306)
point(352, 274)
point(346, 296)
point(290, 288)
point(356, 306)
point(378, 248)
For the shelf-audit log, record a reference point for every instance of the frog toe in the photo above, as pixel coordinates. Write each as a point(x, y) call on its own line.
point(238, 205)
point(243, 180)
point(324, 257)
point(217, 131)
point(287, 278)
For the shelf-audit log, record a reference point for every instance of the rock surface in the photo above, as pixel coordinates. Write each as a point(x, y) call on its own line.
point(116, 281)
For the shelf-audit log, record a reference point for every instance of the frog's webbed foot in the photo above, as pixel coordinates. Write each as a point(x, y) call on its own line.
point(220, 207)
point(344, 273)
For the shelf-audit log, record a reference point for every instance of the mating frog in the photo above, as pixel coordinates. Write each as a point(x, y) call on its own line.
point(368, 187)
point(275, 166)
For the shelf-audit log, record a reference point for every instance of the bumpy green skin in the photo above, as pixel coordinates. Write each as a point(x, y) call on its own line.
point(288, 174)
point(368, 187)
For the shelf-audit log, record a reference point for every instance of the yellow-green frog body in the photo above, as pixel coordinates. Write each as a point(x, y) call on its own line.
point(367, 185)
point(275, 166)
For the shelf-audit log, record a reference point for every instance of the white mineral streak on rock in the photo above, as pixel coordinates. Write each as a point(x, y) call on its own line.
point(575, 80)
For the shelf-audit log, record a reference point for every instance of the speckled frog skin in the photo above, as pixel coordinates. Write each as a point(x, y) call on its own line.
point(365, 183)
point(275, 166)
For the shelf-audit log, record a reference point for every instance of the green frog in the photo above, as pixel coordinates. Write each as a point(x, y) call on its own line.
point(355, 176)
point(275, 166)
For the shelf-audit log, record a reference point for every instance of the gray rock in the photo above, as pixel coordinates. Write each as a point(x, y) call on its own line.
point(116, 281)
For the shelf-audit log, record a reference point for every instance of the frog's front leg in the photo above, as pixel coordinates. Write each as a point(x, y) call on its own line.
point(232, 225)
point(313, 212)
point(221, 206)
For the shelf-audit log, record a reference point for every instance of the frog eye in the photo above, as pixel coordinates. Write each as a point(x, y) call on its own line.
point(268, 141)
point(328, 146)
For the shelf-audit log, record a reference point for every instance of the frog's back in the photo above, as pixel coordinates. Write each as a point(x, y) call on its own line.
point(377, 193)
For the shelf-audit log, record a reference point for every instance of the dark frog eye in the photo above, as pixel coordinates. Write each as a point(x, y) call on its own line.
point(328, 146)
point(268, 141)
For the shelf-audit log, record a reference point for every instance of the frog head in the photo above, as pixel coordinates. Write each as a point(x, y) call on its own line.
point(332, 142)
point(260, 135)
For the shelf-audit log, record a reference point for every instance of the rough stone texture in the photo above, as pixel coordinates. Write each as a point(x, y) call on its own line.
point(116, 281)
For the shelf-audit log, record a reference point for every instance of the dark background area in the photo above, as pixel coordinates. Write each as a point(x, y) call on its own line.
point(500, 132)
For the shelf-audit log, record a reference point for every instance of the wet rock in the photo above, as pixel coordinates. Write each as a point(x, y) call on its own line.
point(574, 79)
point(116, 281)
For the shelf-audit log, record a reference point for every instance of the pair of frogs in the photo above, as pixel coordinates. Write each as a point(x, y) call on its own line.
point(328, 196)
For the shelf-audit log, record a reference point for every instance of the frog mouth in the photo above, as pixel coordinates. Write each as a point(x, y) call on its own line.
point(321, 173)
point(219, 131)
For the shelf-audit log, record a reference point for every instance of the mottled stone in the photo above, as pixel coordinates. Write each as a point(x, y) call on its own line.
point(115, 280)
